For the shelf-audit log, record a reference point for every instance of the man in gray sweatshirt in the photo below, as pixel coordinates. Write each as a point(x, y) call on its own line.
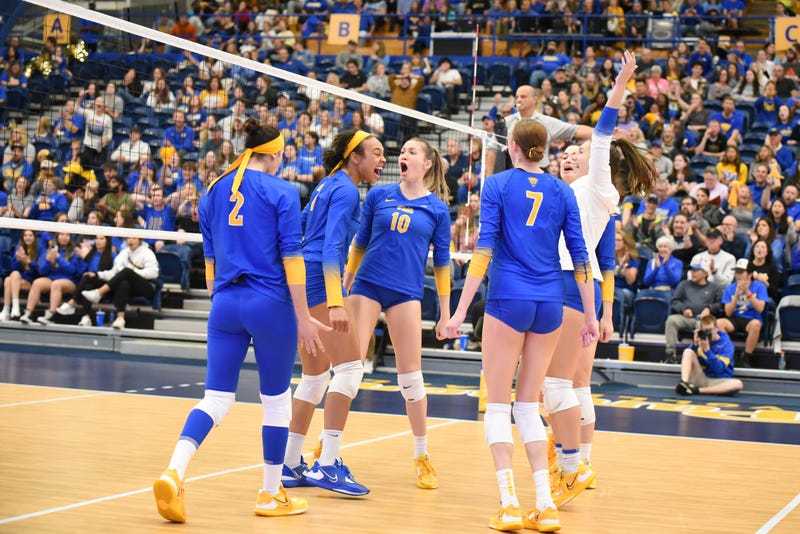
point(693, 299)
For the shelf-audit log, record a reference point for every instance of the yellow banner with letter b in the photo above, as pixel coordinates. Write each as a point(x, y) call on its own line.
point(343, 28)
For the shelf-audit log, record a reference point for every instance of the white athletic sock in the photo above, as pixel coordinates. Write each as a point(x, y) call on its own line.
point(571, 460)
point(181, 456)
point(541, 479)
point(586, 452)
point(331, 441)
point(505, 481)
point(559, 455)
point(420, 446)
point(5, 309)
point(15, 306)
point(294, 449)
point(272, 478)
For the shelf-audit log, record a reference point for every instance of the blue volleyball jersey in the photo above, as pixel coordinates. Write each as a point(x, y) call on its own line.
point(522, 217)
point(605, 248)
point(250, 232)
point(396, 234)
point(330, 220)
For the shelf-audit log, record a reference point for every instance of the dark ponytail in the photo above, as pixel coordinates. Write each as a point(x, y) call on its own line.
point(258, 134)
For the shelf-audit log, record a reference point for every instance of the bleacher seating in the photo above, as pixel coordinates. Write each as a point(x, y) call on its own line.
point(650, 311)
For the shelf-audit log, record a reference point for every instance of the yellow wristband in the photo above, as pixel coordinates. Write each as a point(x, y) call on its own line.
point(479, 263)
point(607, 286)
point(295, 269)
point(354, 259)
point(442, 275)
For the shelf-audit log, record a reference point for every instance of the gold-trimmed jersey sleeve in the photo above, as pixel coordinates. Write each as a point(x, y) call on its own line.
point(333, 287)
point(354, 259)
point(479, 263)
point(583, 272)
point(607, 286)
point(442, 276)
point(210, 269)
point(295, 269)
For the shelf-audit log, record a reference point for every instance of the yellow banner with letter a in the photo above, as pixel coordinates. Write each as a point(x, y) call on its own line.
point(343, 28)
point(57, 25)
point(787, 33)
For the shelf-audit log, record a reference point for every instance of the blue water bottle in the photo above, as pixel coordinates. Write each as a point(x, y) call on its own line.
point(464, 341)
point(100, 318)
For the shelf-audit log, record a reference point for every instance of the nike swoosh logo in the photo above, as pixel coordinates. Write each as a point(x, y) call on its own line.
point(388, 200)
point(584, 477)
point(406, 387)
point(571, 485)
point(333, 478)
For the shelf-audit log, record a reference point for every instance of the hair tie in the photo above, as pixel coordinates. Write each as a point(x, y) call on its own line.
point(272, 147)
point(359, 136)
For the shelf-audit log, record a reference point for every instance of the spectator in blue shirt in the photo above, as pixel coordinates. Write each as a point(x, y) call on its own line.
point(180, 136)
point(15, 167)
point(702, 55)
point(707, 365)
point(667, 207)
point(547, 63)
point(730, 120)
point(691, 14)
point(664, 271)
point(767, 105)
point(288, 63)
point(744, 300)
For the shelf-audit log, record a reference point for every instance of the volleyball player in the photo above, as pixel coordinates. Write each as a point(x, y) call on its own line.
point(250, 221)
point(523, 213)
point(589, 169)
point(399, 222)
point(330, 221)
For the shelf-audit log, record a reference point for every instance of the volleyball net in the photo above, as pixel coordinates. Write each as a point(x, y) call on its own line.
point(173, 116)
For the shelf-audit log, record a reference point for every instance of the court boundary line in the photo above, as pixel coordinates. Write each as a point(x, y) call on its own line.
point(780, 516)
point(42, 401)
point(106, 498)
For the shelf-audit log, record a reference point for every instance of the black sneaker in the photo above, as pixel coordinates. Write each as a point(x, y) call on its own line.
point(670, 357)
point(743, 360)
point(685, 388)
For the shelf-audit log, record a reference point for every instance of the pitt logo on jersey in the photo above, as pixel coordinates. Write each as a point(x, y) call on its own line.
point(405, 209)
point(533, 181)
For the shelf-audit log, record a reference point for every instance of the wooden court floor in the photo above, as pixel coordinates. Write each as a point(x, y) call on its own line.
point(84, 461)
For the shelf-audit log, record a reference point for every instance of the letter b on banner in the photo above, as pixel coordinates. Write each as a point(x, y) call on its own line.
point(343, 28)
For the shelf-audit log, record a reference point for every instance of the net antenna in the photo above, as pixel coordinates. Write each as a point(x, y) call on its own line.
point(475, 45)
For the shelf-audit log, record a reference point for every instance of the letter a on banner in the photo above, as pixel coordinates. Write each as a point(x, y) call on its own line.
point(57, 25)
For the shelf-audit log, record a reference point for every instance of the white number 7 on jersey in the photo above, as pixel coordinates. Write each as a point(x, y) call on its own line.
point(537, 198)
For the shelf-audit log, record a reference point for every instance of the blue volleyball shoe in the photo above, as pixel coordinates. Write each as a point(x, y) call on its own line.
point(336, 477)
point(295, 477)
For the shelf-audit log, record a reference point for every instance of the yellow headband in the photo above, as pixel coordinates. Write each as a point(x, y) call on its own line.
point(273, 147)
point(359, 136)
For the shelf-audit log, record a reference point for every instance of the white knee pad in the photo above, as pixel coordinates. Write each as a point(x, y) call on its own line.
point(497, 423)
point(412, 386)
point(277, 409)
point(347, 378)
point(216, 404)
point(529, 423)
point(558, 394)
point(312, 387)
point(584, 395)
